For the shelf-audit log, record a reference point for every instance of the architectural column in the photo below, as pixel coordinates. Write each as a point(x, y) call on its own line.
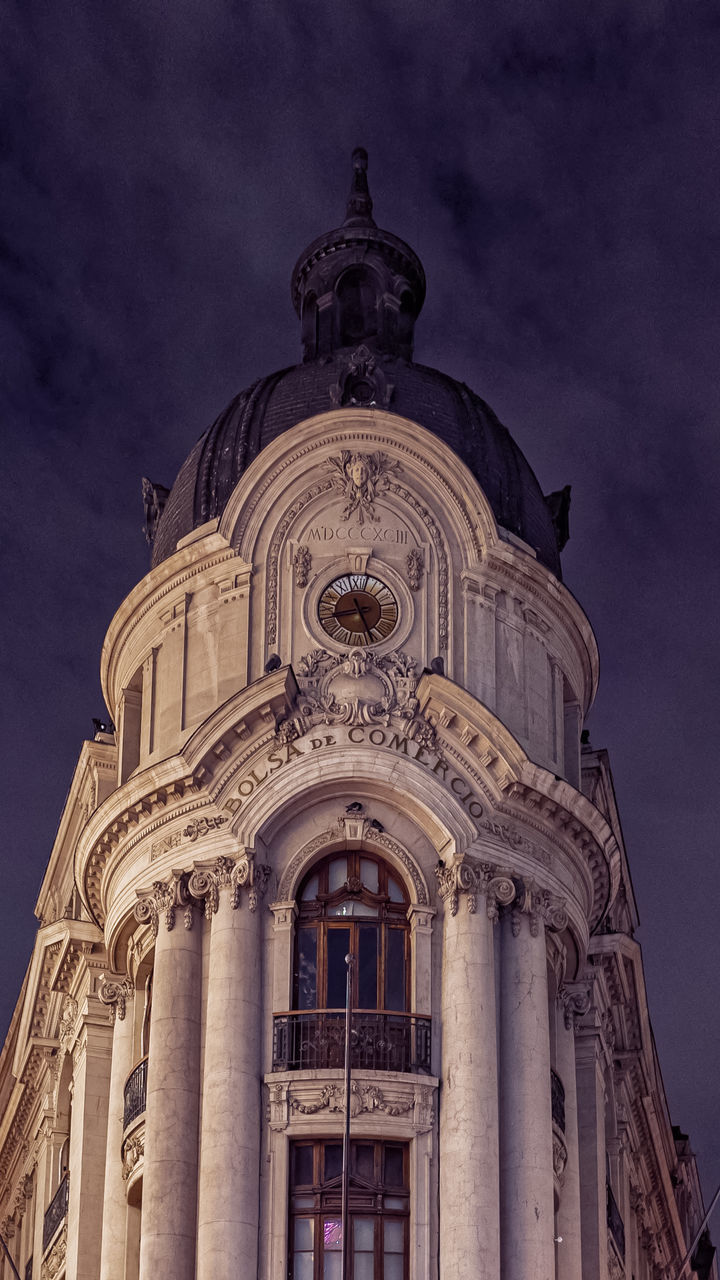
point(469, 1204)
point(43, 1176)
point(573, 1002)
point(116, 993)
point(526, 1151)
point(590, 1058)
point(229, 1186)
point(92, 1056)
point(169, 1210)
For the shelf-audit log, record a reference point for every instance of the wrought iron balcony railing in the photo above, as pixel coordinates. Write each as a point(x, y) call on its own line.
point(56, 1212)
point(615, 1222)
point(379, 1041)
point(135, 1093)
point(557, 1095)
point(28, 1269)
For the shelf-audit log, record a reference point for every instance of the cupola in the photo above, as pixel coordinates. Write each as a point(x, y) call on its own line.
point(358, 284)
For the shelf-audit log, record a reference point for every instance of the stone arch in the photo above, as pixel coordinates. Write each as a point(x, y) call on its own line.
point(351, 834)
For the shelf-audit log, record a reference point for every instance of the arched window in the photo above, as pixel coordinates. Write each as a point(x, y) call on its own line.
point(352, 903)
point(357, 293)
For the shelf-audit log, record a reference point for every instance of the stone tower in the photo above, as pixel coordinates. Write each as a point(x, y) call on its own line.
point(349, 699)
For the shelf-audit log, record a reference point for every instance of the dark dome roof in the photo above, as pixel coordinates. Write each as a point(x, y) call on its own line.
point(358, 291)
point(274, 404)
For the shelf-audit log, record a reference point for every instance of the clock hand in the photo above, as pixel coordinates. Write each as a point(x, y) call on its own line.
point(362, 619)
point(342, 613)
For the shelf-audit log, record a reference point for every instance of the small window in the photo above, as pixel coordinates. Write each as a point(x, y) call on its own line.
point(379, 1205)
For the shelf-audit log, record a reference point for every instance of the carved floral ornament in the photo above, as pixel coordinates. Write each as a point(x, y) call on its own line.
point(468, 877)
point(185, 891)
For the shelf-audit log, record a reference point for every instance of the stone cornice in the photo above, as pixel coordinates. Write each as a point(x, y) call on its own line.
point(178, 786)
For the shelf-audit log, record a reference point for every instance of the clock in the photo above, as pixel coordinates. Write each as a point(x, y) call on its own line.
point(358, 609)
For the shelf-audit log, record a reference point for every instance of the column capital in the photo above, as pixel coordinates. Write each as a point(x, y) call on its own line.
point(541, 907)
point(469, 876)
point(574, 997)
point(165, 897)
point(115, 991)
point(208, 878)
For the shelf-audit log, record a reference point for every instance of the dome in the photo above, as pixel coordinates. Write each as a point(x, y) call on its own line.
point(358, 291)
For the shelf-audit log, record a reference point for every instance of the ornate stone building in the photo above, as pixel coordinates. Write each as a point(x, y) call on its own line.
point(349, 699)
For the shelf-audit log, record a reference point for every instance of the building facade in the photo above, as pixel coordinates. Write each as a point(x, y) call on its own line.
point(349, 700)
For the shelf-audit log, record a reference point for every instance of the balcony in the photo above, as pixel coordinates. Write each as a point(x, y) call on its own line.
point(615, 1223)
point(135, 1093)
point(55, 1213)
point(379, 1041)
point(557, 1095)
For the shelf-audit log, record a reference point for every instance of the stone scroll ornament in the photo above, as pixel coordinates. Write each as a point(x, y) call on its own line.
point(244, 873)
point(115, 993)
point(470, 878)
point(164, 900)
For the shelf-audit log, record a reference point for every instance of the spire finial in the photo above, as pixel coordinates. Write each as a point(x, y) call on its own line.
point(360, 205)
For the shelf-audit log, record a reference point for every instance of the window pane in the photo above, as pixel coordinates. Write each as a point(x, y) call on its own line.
point(332, 1266)
point(332, 1234)
point(307, 969)
point(337, 873)
point(395, 970)
point(364, 1266)
point(352, 908)
point(363, 1235)
point(304, 1234)
point(394, 1235)
point(338, 946)
point(395, 892)
point(311, 889)
point(369, 874)
point(302, 1166)
point(394, 1170)
point(393, 1266)
point(367, 966)
point(395, 1202)
point(333, 1160)
point(365, 1161)
point(303, 1266)
point(303, 1202)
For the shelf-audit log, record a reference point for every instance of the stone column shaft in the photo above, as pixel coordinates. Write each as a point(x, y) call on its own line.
point(229, 1180)
point(526, 1158)
point(117, 994)
point(469, 1201)
point(169, 1210)
point(88, 1141)
point(569, 1252)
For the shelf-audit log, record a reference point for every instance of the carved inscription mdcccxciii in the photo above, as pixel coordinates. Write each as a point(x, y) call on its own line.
point(357, 533)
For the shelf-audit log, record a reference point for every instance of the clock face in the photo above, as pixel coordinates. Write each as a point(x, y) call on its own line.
point(358, 609)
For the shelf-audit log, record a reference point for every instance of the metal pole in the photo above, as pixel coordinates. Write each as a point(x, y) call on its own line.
point(701, 1228)
point(7, 1255)
point(349, 961)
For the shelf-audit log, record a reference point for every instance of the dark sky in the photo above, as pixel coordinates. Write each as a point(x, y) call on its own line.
point(555, 165)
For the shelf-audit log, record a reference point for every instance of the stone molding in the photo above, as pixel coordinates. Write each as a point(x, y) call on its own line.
point(471, 878)
point(344, 835)
point(54, 1263)
point(409, 1099)
point(115, 991)
point(133, 1152)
